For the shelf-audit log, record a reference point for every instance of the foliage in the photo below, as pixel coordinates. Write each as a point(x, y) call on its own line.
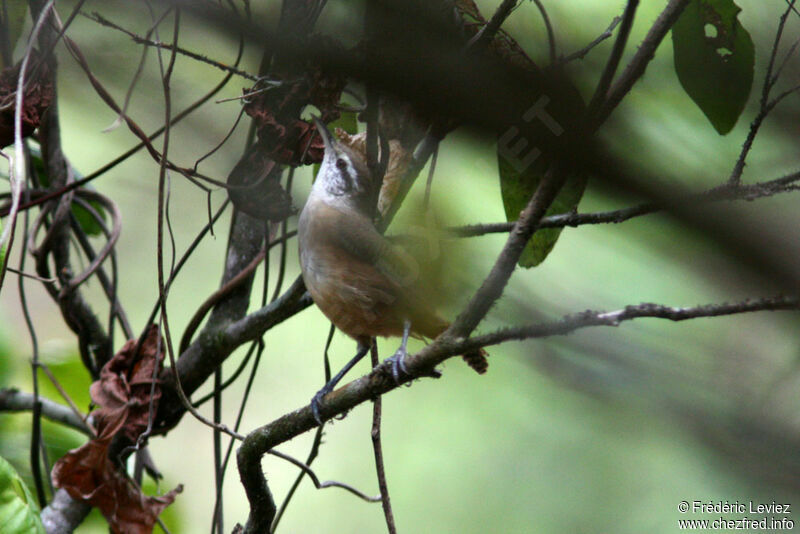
point(714, 59)
point(406, 88)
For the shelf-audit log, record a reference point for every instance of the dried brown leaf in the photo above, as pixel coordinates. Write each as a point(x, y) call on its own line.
point(37, 98)
point(123, 394)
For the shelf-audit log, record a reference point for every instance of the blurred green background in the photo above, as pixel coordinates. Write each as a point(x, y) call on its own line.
point(606, 430)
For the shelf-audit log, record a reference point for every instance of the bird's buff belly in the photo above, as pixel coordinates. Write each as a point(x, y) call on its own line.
point(358, 312)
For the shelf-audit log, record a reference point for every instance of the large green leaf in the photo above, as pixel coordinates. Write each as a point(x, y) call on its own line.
point(517, 186)
point(714, 58)
point(19, 513)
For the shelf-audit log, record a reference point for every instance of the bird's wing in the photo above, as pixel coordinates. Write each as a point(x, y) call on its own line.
point(382, 274)
point(356, 235)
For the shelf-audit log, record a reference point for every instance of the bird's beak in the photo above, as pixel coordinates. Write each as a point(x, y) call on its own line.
point(324, 133)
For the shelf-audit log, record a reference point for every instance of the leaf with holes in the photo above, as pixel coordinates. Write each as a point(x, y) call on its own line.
point(517, 187)
point(18, 510)
point(714, 58)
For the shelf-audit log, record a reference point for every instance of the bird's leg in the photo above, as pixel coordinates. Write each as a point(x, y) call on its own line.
point(398, 358)
point(316, 401)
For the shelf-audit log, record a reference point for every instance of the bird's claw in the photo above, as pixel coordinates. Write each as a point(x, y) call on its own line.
point(316, 404)
point(399, 369)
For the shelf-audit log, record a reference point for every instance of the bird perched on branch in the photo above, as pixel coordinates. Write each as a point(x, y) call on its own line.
point(363, 283)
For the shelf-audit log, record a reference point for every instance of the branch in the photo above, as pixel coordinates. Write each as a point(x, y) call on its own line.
point(570, 323)
point(258, 442)
point(377, 449)
point(726, 192)
point(213, 345)
point(13, 400)
point(551, 38)
point(380, 380)
point(580, 54)
point(487, 33)
point(641, 59)
point(64, 514)
point(495, 282)
point(138, 39)
point(599, 97)
point(765, 106)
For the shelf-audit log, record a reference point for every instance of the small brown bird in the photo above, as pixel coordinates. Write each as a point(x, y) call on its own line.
point(364, 284)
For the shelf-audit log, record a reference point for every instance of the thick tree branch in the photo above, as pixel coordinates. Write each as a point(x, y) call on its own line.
point(526, 225)
point(13, 400)
point(64, 514)
point(380, 380)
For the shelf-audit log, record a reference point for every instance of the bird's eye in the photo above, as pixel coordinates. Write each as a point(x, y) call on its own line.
point(344, 174)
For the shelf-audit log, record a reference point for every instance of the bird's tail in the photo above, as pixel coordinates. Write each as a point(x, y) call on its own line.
point(477, 359)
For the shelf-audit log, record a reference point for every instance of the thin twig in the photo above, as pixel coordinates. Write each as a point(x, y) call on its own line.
point(589, 318)
point(429, 183)
point(32, 276)
point(765, 106)
point(227, 383)
point(172, 48)
point(284, 243)
point(217, 522)
point(136, 75)
point(189, 174)
point(487, 33)
point(166, 75)
point(217, 296)
point(646, 51)
point(600, 93)
point(322, 485)
point(580, 54)
point(124, 156)
point(258, 347)
point(725, 192)
point(16, 168)
point(377, 449)
point(551, 37)
point(185, 257)
point(13, 400)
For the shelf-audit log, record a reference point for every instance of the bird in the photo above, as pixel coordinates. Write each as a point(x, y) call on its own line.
point(365, 284)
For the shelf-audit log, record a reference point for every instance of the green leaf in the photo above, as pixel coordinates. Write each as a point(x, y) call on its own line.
point(11, 25)
point(347, 121)
point(714, 59)
point(87, 223)
point(517, 186)
point(85, 219)
point(19, 513)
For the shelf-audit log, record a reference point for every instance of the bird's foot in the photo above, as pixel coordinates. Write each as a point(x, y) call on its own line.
point(316, 403)
point(399, 369)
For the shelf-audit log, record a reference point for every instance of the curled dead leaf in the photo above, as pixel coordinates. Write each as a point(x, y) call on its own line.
point(37, 98)
point(124, 393)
